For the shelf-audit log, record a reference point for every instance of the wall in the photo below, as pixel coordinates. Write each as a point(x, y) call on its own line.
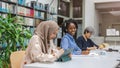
point(107, 21)
point(90, 16)
point(89, 13)
point(97, 21)
point(100, 1)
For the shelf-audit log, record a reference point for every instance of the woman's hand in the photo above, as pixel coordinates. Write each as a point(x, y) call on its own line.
point(58, 53)
point(101, 46)
point(86, 52)
point(70, 55)
point(92, 48)
point(61, 51)
point(58, 48)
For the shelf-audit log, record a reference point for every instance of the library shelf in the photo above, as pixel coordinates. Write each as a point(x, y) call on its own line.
point(9, 2)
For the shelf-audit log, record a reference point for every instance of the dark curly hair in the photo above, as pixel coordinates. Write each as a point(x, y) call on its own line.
point(66, 24)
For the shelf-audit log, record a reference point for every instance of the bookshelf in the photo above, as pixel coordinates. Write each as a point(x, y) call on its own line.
point(29, 14)
point(32, 9)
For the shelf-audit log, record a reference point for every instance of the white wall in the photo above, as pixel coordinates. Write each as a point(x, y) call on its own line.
point(97, 15)
point(97, 20)
point(109, 21)
point(89, 13)
point(100, 1)
point(90, 17)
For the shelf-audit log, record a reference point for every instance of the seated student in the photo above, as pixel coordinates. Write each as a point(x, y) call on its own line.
point(84, 42)
point(40, 47)
point(68, 39)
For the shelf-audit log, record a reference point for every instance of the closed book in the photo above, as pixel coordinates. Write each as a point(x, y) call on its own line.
point(31, 12)
point(33, 3)
point(42, 15)
point(0, 6)
point(4, 7)
point(20, 2)
point(27, 12)
point(21, 10)
point(28, 4)
point(29, 21)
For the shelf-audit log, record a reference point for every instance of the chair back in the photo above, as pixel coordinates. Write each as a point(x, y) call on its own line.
point(16, 59)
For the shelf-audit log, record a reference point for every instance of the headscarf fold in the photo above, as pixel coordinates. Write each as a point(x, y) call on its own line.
point(43, 30)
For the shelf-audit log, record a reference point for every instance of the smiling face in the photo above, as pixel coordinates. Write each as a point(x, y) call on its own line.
point(71, 29)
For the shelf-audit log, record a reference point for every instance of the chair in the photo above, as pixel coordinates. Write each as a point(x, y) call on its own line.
point(16, 59)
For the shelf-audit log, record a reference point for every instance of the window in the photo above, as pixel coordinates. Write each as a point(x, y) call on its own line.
point(77, 9)
point(64, 8)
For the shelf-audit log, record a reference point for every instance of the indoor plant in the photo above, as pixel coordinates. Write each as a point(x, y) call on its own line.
point(11, 33)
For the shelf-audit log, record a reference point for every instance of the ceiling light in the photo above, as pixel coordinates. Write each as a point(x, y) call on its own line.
point(59, 8)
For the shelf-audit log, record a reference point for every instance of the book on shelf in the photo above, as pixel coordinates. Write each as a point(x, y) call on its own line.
point(46, 6)
point(21, 10)
point(22, 2)
point(11, 8)
point(4, 5)
point(27, 12)
point(33, 4)
point(37, 14)
point(28, 4)
point(36, 5)
point(52, 10)
point(40, 6)
point(29, 21)
point(0, 6)
point(8, 8)
point(31, 13)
